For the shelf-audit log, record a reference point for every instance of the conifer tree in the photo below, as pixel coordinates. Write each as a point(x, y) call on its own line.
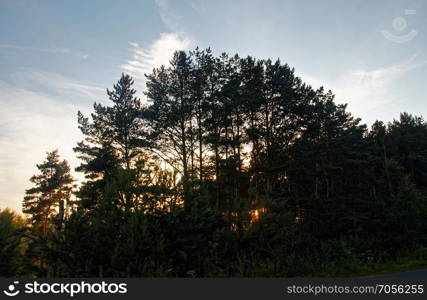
point(171, 116)
point(114, 139)
point(50, 194)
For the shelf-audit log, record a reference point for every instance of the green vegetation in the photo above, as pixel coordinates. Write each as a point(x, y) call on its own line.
point(233, 168)
point(413, 260)
point(12, 244)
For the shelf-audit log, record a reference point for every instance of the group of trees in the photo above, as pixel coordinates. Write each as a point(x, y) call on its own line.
point(233, 167)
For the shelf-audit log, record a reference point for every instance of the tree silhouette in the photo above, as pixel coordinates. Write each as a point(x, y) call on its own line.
point(234, 167)
point(51, 193)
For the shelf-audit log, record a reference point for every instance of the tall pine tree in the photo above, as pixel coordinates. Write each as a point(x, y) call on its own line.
point(51, 193)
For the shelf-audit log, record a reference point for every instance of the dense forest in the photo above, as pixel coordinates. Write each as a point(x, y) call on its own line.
point(231, 167)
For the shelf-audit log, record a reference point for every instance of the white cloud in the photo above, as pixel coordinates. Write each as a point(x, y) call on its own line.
point(369, 93)
point(57, 84)
point(200, 6)
point(170, 18)
point(372, 92)
point(33, 120)
point(379, 78)
point(156, 54)
point(160, 51)
point(172, 13)
point(52, 50)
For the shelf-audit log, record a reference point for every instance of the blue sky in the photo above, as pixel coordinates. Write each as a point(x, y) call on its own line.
point(57, 57)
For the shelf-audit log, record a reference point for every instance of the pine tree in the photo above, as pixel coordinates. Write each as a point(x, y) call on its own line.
point(408, 137)
point(51, 193)
point(171, 117)
point(114, 139)
point(271, 173)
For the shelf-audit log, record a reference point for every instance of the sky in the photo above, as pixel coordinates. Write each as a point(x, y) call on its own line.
point(58, 57)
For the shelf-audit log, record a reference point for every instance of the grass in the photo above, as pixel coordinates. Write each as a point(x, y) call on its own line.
point(413, 260)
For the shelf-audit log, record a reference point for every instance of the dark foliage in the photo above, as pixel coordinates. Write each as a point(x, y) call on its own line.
point(235, 167)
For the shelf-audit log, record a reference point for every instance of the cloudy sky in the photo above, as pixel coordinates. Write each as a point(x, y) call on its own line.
point(57, 57)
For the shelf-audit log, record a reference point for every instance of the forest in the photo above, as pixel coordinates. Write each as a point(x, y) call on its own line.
point(228, 167)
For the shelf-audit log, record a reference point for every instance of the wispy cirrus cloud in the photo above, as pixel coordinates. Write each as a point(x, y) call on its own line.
point(52, 50)
point(380, 77)
point(38, 114)
point(158, 53)
point(170, 18)
point(171, 12)
point(370, 93)
point(57, 85)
